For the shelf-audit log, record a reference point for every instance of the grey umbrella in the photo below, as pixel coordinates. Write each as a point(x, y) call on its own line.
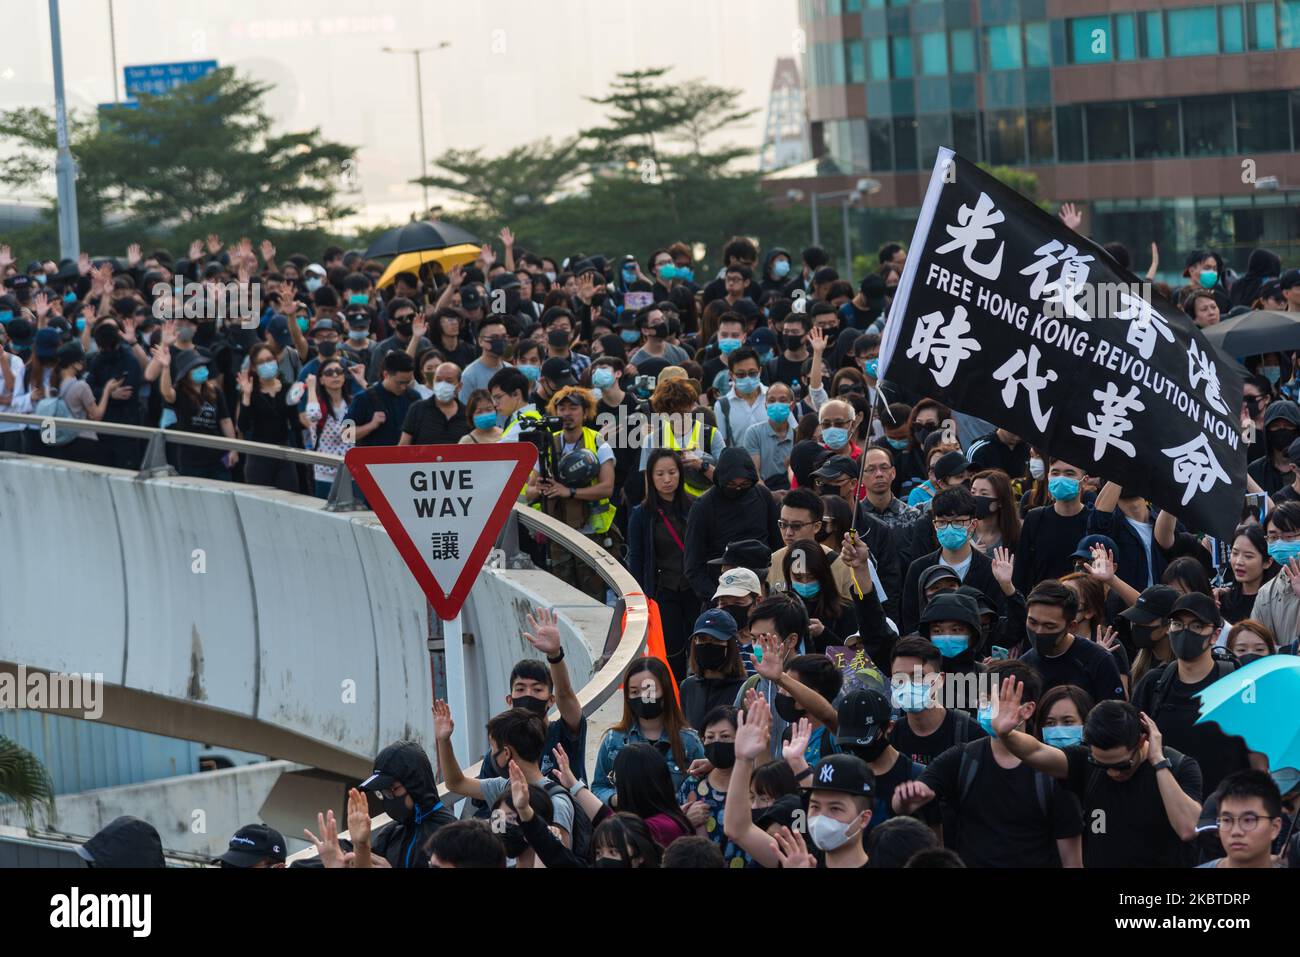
point(419, 237)
point(1254, 333)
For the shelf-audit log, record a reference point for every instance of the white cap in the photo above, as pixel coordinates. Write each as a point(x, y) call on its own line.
point(315, 268)
point(737, 583)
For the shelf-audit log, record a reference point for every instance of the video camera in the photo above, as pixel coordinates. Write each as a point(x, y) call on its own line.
point(539, 432)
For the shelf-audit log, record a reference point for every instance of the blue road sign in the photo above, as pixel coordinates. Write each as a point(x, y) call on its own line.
point(158, 78)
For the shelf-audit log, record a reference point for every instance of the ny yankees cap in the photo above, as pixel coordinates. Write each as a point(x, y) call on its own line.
point(843, 772)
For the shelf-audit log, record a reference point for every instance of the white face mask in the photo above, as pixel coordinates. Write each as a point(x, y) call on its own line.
point(444, 391)
point(1036, 469)
point(827, 833)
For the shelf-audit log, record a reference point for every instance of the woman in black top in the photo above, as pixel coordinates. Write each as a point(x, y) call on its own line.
point(656, 550)
point(807, 571)
point(717, 673)
point(265, 415)
point(199, 407)
point(1252, 569)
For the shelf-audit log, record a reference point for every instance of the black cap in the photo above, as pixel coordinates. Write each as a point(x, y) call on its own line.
point(839, 466)
point(1153, 605)
point(950, 606)
point(843, 772)
point(1084, 550)
point(253, 844)
point(1200, 606)
point(471, 297)
point(747, 553)
point(784, 811)
point(558, 371)
point(863, 715)
point(124, 842)
point(504, 280)
point(825, 274)
point(1270, 290)
point(1289, 278)
point(950, 464)
point(936, 573)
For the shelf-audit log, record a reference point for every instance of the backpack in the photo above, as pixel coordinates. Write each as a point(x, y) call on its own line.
point(1169, 671)
point(582, 829)
point(972, 755)
point(56, 407)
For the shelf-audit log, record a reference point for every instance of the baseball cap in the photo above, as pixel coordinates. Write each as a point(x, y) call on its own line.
point(950, 464)
point(47, 343)
point(558, 371)
point(839, 466)
point(277, 327)
point(935, 574)
point(669, 373)
point(471, 297)
point(863, 714)
point(843, 772)
point(747, 553)
point(1289, 278)
point(1270, 290)
point(762, 340)
point(1086, 543)
point(715, 623)
point(315, 269)
point(1200, 606)
point(1153, 605)
point(253, 844)
point(737, 583)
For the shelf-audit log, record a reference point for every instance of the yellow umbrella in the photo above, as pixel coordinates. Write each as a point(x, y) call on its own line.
point(449, 258)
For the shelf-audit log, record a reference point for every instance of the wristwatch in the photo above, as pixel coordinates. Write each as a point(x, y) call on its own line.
point(577, 786)
point(1162, 764)
point(557, 659)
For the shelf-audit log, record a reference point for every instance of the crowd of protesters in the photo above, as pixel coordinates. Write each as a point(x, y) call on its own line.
point(894, 635)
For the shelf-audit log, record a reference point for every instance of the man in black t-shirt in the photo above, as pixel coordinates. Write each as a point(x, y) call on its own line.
point(439, 419)
point(1140, 800)
point(1007, 813)
point(927, 728)
point(1168, 693)
point(1051, 533)
point(1058, 656)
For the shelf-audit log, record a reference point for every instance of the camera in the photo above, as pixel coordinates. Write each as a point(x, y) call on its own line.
point(539, 432)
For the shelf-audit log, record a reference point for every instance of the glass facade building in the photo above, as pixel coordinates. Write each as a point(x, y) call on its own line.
point(1158, 117)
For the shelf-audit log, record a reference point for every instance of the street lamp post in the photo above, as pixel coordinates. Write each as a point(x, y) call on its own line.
point(419, 106)
point(64, 165)
point(848, 197)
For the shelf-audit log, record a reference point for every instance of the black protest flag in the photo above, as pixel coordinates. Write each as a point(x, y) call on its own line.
point(1006, 314)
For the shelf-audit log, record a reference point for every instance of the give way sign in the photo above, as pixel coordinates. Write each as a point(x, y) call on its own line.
point(443, 506)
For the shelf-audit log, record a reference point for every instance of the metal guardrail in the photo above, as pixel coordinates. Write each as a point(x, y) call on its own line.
point(628, 631)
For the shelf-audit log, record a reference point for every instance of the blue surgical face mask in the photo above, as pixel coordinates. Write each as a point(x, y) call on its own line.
point(485, 421)
point(781, 269)
point(985, 718)
point(950, 646)
point(69, 297)
point(358, 299)
point(199, 375)
point(911, 697)
point(728, 346)
point(952, 538)
point(872, 368)
point(747, 384)
point(1208, 278)
point(629, 276)
point(603, 378)
point(835, 438)
point(765, 357)
point(313, 284)
point(1272, 373)
point(1282, 552)
point(1063, 489)
point(302, 323)
point(778, 412)
point(898, 445)
point(81, 324)
point(686, 273)
point(1063, 736)
point(6, 316)
point(267, 370)
point(358, 335)
point(40, 278)
point(630, 336)
point(531, 373)
point(667, 272)
point(806, 589)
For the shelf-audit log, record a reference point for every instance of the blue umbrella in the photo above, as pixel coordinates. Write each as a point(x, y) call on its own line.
point(1259, 703)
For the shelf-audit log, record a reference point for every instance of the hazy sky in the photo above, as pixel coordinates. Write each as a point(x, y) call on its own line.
point(517, 70)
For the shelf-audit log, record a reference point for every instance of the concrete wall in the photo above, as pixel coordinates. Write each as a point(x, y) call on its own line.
point(248, 618)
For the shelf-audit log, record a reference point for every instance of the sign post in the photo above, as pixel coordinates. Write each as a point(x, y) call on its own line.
point(443, 506)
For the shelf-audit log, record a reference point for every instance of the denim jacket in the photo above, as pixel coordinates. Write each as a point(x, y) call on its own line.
point(615, 741)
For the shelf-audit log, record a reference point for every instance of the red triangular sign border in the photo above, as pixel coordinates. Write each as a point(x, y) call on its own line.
point(446, 603)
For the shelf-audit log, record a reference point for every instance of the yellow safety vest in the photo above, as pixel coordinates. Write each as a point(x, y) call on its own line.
point(600, 515)
point(694, 488)
point(515, 416)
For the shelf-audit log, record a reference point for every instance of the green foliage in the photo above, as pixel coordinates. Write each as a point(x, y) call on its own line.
point(24, 780)
point(1022, 181)
point(202, 158)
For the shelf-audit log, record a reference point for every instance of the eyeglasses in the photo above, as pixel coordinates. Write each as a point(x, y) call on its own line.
point(331, 372)
point(793, 526)
point(837, 424)
point(1248, 821)
point(1195, 627)
point(958, 524)
point(1121, 766)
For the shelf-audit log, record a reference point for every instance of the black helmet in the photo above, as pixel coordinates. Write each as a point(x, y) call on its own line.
point(578, 468)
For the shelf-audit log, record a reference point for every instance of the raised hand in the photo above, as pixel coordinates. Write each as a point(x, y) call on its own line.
point(168, 332)
point(6, 258)
point(1109, 640)
point(800, 734)
point(1007, 718)
point(519, 792)
point(817, 340)
point(196, 250)
point(457, 276)
point(753, 730)
point(587, 287)
point(1102, 566)
point(245, 381)
point(771, 667)
point(563, 771)
point(791, 850)
point(854, 552)
point(1155, 740)
point(1293, 575)
point(487, 256)
point(83, 264)
point(443, 725)
point(545, 632)
point(1071, 216)
point(213, 244)
point(419, 326)
point(507, 238)
point(133, 255)
point(1003, 566)
point(268, 251)
point(358, 817)
point(327, 845)
point(41, 306)
point(911, 795)
point(162, 355)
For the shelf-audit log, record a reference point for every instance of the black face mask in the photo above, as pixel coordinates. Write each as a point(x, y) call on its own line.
point(984, 506)
point(922, 432)
point(792, 343)
point(1243, 659)
point(395, 807)
point(326, 349)
point(1143, 636)
point(497, 347)
point(1046, 643)
point(514, 840)
point(789, 711)
point(537, 706)
point(598, 300)
point(710, 657)
point(656, 332)
point(735, 493)
point(869, 752)
point(721, 754)
point(739, 614)
point(513, 300)
point(1187, 645)
point(1279, 439)
point(645, 709)
point(604, 862)
point(559, 339)
point(403, 329)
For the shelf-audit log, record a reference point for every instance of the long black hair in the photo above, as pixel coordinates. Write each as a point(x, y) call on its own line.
point(828, 603)
point(619, 831)
point(644, 785)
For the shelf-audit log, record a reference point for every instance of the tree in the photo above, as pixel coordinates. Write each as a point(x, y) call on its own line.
point(1022, 181)
point(24, 780)
point(201, 158)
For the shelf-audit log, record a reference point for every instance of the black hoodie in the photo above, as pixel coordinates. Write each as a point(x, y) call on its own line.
point(717, 518)
point(770, 284)
point(125, 842)
point(402, 843)
point(1262, 266)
